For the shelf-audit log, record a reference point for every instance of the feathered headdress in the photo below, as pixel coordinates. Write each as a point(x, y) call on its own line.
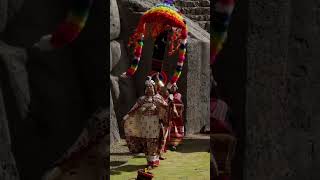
point(162, 17)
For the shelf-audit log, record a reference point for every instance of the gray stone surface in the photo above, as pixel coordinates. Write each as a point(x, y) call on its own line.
point(14, 94)
point(116, 53)
point(282, 104)
point(8, 170)
point(114, 129)
point(14, 60)
point(197, 10)
point(123, 90)
point(114, 20)
point(198, 86)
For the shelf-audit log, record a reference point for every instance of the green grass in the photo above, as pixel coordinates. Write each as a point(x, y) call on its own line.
point(190, 162)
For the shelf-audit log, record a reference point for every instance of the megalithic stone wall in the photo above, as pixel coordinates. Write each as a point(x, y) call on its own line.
point(283, 117)
point(197, 10)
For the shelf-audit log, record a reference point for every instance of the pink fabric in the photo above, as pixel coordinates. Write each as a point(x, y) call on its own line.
point(223, 177)
point(218, 113)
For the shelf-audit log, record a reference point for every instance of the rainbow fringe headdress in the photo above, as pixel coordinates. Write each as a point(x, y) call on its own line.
point(156, 20)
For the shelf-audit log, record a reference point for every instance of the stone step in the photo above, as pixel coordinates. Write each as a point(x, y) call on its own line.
point(188, 3)
point(199, 17)
point(204, 3)
point(194, 3)
point(196, 10)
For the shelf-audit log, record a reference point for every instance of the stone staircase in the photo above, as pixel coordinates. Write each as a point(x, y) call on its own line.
point(196, 10)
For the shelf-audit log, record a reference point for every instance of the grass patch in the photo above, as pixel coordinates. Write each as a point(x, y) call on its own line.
point(190, 162)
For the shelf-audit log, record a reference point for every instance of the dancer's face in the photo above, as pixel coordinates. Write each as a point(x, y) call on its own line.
point(150, 90)
point(174, 88)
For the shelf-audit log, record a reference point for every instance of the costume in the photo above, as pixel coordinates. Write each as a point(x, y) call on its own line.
point(175, 118)
point(164, 23)
point(166, 26)
point(142, 124)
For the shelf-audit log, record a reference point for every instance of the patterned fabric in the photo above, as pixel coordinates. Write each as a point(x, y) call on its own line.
point(142, 127)
point(149, 146)
point(177, 124)
point(151, 126)
point(73, 24)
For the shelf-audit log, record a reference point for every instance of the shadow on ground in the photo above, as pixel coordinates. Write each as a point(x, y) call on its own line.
point(117, 163)
point(194, 145)
point(126, 168)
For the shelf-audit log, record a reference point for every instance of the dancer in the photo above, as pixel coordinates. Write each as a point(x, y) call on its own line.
point(142, 124)
point(175, 118)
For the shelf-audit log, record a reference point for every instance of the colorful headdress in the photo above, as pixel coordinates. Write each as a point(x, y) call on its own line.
point(149, 82)
point(160, 18)
point(222, 12)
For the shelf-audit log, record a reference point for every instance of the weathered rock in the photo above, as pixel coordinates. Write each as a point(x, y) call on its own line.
point(123, 93)
point(197, 10)
point(123, 90)
point(114, 20)
point(115, 90)
point(8, 170)
point(281, 100)
point(110, 61)
point(76, 82)
point(14, 101)
point(14, 60)
point(198, 86)
point(116, 53)
point(114, 129)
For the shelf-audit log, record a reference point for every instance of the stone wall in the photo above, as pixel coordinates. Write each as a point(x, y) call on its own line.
point(48, 96)
point(282, 136)
point(196, 10)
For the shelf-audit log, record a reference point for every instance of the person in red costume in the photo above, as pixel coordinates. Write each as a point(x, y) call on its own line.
point(223, 140)
point(176, 127)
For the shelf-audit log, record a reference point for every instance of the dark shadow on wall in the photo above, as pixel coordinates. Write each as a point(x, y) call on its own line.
point(67, 86)
point(230, 74)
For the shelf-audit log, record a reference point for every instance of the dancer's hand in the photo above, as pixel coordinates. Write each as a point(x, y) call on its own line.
point(124, 75)
point(126, 117)
point(44, 43)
